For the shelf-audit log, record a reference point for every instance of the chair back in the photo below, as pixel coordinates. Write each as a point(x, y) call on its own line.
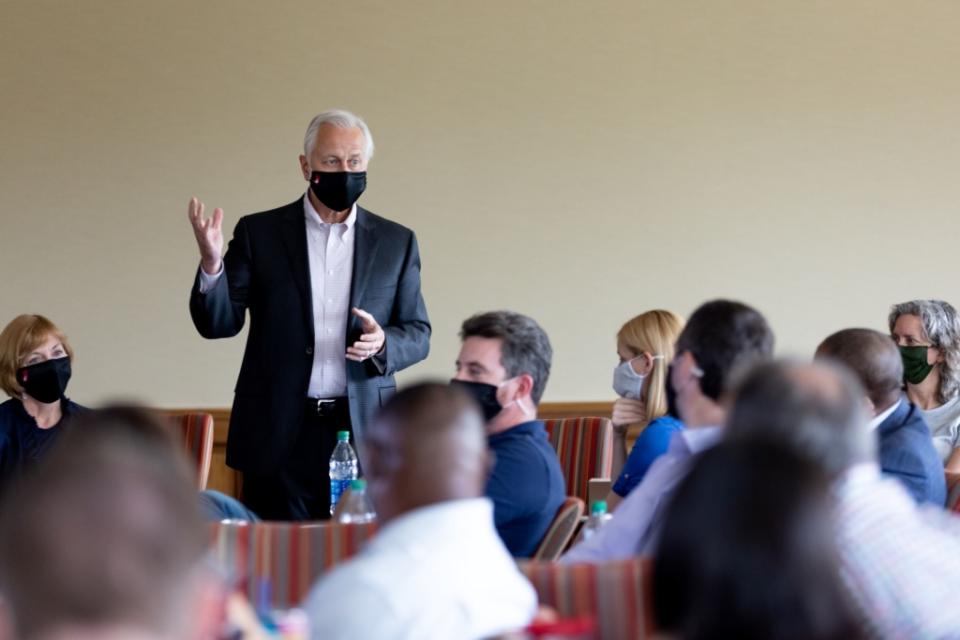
point(953, 491)
point(617, 595)
point(196, 435)
point(561, 530)
point(279, 561)
point(585, 449)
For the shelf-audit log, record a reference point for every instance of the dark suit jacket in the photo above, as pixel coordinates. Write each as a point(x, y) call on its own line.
point(907, 453)
point(266, 271)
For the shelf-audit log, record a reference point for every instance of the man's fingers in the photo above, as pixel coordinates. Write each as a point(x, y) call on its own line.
point(365, 317)
point(369, 337)
point(217, 217)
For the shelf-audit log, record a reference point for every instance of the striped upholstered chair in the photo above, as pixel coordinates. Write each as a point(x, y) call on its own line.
point(617, 595)
point(561, 530)
point(280, 561)
point(953, 491)
point(196, 434)
point(585, 449)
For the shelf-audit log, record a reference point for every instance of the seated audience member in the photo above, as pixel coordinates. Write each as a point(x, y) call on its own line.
point(720, 337)
point(504, 364)
point(906, 449)
point(216, 506)
point(35, 360)
point(102, 538)
point(436, 568)
point(766, 568)
point(899, 561)
point(645, 346)
point(928, 334)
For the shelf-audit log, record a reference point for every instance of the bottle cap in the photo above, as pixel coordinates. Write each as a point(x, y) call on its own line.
point(343, 436)
point(358, 485)
point(599, 506)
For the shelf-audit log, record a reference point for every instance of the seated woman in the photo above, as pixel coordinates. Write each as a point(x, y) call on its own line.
point(35, 360)
point(645, 346)
point(928, 334)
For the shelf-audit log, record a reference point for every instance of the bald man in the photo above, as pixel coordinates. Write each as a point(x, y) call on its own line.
point(437, 568)
point(905, 446)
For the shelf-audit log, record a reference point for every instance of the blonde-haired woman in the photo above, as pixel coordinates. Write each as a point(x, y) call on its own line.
point(35, 366)
point(645, 345)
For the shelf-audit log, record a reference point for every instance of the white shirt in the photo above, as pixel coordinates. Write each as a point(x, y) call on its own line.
point(438, 572)
point(899, 561)
point(878, 420)
point(330, 256)
point(636, 523)
point(944, 423)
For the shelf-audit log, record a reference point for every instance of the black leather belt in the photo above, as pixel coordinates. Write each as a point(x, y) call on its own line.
point(327, 406)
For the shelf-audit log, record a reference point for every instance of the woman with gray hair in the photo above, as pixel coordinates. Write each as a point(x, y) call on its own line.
point(928, 334)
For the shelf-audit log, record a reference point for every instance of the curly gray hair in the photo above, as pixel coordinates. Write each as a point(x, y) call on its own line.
point(942, 326)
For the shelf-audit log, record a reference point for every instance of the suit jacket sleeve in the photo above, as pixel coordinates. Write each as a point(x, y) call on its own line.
point(408, 332)
point(220, 312)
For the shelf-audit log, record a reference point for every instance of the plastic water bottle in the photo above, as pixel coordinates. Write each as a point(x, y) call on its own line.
point(343, 468)
point(598, 518)
point(357, 509)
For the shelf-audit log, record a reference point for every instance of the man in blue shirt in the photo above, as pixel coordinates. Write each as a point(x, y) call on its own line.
point(504, 363)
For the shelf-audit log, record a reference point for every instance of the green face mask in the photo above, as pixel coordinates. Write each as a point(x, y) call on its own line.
point(915, 367)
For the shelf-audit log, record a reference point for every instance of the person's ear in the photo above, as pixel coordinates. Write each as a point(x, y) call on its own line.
point(305, 167)
point(525, 385)
point(643, 364)
point(939, 358)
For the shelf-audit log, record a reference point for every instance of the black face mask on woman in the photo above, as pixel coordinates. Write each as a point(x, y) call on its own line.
point(338, 190)
point(484, 394)
point(45, 381)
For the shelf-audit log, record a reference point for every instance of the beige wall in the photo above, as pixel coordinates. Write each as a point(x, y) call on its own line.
point(578, 161)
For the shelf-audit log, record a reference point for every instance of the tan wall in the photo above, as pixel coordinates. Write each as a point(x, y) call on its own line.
point(579, 161)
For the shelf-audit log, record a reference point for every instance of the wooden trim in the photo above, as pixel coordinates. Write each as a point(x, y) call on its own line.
point(223, 478)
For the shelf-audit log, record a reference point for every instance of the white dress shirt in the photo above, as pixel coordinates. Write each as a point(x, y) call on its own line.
point(636, 523)
point(330, 256)
point(878, 420)
point(437, 572)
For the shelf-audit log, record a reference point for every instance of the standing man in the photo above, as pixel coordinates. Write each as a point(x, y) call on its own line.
point(333, 293)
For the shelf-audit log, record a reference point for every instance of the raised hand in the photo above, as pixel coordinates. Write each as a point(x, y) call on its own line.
point(209, 235)
point(370, 342)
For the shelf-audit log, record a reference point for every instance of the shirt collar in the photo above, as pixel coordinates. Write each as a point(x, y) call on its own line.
point(878, 420)
point(695, 440)
point(314, 220)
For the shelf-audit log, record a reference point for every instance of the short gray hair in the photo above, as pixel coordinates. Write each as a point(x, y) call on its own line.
point(524, 345)
point(816, 409)
point(338, 118)
point(942, 326)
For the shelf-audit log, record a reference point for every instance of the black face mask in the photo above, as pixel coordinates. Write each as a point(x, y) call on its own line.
point(45, 381)
point(672, 410)
point(338, 190)
point(484, 394)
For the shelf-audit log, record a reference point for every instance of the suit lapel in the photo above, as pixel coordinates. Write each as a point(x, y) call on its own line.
point(293, 232)
point(365, 249)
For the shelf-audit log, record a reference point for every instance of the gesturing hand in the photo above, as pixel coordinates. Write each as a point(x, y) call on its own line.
point(209, 235)
point(627, 412)
point(370, 342)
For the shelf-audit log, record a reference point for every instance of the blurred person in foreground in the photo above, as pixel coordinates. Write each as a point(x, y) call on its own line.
point(103, 538)
point(905, 448)
point(436, 568)
point(900, 562)
point(35, 367)
point(767, 569)
point(721, 337)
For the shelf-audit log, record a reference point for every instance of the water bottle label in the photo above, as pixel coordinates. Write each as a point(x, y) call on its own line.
point(337, 487)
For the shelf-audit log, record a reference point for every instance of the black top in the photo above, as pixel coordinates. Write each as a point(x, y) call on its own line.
point(22, 442)
point(526, 486)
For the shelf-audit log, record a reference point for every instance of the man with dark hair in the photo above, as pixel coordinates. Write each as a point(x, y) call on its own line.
point(899, 561)
point(906, 448)
point(504, 363)
point(436, 568)
point(104, 538)
point(720, 338)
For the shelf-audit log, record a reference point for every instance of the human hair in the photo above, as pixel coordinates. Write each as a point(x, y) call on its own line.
point(871, 356)
point(338, 118)
point(524, 346)
point(815, 408)
point(766, 566)
point(654, 332)
point(942, 326)
point(104, 531)
point(21, 336)
point(723, 336)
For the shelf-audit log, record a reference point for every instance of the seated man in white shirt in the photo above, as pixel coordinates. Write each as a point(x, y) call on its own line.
point(720, 337)
point(436, 568)
point(899, 562)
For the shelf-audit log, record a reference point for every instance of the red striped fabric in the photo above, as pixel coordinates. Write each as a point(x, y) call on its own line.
point(585, 449)
point(953, 491)
point(196, 435)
